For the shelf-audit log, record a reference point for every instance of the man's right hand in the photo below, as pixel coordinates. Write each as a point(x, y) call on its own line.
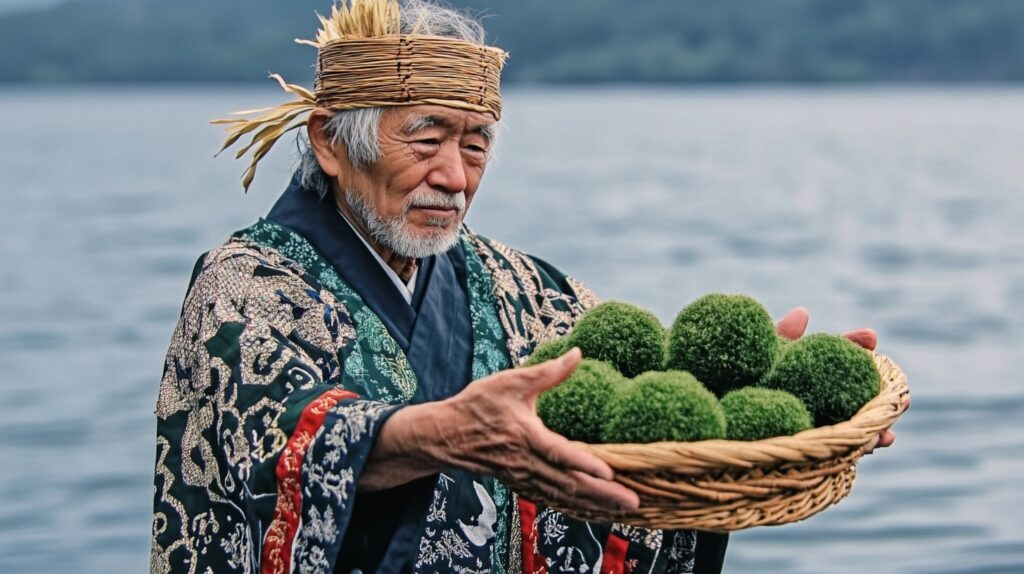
point(492, 428)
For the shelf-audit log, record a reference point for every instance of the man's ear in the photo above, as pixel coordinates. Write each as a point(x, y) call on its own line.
point(329, 157)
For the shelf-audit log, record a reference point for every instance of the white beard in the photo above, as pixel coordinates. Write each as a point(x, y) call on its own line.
point(394, 233)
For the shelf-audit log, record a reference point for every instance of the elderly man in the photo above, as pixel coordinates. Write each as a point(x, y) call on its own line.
point(339, 394)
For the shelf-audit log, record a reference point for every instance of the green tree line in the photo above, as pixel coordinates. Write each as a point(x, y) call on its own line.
point(549, 40)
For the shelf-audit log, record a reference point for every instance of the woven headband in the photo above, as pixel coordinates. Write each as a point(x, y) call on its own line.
point(406, 70)
point(374, 68)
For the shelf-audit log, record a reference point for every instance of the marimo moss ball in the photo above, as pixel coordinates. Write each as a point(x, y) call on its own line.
point(624, 335)
point(830, 374)
point(726, 341)
point(575, 409)
point(754, 413)
point(549, 350)
point(659, 406)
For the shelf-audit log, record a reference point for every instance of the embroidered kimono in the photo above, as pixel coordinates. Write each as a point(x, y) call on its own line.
point(292, 351)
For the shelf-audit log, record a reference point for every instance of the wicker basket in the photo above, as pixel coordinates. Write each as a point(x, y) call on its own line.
point(723, 485)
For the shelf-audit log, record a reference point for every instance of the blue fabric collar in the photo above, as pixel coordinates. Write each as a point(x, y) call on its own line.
point(436, 334)
point(317, 219)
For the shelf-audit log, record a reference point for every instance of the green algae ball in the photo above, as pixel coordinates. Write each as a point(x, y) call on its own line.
point(624, 335)
point(754, 413)
point(659, 406)
point(551, 349)
point(575, 409)
point(832, 376)
point(726, 341)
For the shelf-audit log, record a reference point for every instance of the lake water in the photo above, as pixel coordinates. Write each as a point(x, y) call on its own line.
point(896, 208)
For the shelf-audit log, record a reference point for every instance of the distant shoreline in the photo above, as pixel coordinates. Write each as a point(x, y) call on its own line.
point(571, 42)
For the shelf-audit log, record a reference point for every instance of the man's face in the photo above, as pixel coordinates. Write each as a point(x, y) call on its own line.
point(414, 198)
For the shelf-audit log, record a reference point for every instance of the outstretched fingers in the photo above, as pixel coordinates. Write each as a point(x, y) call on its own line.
point(575, 490)
point(557, 451)
point(864, 337)
point(605, 494)
point(793, 324)
point(886, 439)
point(572, 489)
point(536, 379)
point(579, 473)
point(501, 435)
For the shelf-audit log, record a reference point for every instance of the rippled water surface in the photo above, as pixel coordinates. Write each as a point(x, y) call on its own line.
point(900, 209)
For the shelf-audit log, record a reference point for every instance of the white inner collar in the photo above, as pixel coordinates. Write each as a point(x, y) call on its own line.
point(406, 289)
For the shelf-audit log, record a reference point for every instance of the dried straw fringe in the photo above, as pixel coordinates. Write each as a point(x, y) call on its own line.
point(360, 52)
point(357, 19)
point(275, 122)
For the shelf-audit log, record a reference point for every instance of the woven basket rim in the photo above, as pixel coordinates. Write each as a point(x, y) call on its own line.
point(819, 444)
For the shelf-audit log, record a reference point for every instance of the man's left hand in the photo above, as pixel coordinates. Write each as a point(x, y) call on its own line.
point(792, 327)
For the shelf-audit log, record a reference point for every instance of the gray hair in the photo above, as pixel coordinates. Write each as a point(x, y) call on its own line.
point(358, 129)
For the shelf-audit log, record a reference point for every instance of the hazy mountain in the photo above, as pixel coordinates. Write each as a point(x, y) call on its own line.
point(563, 40)
point(7, 6)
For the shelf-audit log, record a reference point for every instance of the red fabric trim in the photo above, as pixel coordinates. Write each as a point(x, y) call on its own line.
point(277, 546)
point(614, 561)
point(533, 562)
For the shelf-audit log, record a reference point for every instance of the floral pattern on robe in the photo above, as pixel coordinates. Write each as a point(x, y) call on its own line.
point(276, 383)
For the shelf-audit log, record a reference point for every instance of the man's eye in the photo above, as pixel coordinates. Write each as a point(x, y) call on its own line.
point(476, 149)
point(429, 141)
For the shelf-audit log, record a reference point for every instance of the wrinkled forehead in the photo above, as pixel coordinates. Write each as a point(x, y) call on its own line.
point(410, 120)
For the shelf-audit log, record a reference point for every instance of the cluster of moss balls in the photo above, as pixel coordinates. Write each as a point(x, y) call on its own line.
point(720, 371)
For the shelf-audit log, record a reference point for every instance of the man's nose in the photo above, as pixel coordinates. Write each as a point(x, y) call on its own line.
point(448, 173)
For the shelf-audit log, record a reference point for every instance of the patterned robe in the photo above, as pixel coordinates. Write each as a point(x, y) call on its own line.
point(276, 384)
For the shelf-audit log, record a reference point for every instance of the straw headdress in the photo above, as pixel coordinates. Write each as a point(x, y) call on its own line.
point(365, 61)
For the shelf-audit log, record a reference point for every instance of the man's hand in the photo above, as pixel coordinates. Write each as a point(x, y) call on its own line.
point(792, 327)
point(492, 428)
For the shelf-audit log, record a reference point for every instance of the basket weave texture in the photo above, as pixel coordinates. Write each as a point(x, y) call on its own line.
point(723, 485)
